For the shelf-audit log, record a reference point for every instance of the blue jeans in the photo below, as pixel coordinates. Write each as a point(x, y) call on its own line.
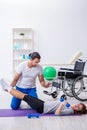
point(15, 103)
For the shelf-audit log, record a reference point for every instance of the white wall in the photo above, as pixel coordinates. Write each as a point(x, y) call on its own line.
point(60, 29)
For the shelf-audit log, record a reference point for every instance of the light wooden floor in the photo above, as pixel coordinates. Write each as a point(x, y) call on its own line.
point(42, 123)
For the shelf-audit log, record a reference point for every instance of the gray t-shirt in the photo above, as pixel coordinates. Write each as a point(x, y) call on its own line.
point(52, 106)
point(28, 75)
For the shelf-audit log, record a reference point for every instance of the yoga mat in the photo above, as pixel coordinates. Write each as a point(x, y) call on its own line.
point(19, 112)
point(14, 113)
point(22, 112)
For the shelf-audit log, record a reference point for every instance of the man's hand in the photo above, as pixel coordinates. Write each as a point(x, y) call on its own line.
point(48, 85)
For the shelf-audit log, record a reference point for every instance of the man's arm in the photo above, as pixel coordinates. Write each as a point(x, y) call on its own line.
point(15, 79)
point(42, 81)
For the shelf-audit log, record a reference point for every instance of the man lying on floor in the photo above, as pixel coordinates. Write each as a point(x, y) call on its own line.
point(45, 106)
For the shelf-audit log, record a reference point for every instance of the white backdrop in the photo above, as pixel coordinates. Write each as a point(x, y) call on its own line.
point(60, 29)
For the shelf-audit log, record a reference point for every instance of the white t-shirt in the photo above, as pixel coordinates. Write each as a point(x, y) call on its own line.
point(28, 75)
point(52, 106)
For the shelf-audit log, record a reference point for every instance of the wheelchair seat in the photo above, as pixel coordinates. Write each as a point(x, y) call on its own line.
point(72, 73)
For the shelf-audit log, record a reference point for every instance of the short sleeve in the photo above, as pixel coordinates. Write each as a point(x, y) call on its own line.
point(67, 111)
point(19, 68)
point(40, 70)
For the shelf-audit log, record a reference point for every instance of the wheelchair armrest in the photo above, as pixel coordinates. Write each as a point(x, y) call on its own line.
point(71, 70)
point(67, 69)
point(77, 72)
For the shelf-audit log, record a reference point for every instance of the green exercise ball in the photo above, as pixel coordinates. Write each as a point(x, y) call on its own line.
point(49, 73)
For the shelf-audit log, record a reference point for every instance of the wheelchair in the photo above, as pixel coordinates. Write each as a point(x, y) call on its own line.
point(72, 82)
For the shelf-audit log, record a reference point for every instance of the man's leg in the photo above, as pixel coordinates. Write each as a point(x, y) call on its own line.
point(15, 103)
point(33, 93)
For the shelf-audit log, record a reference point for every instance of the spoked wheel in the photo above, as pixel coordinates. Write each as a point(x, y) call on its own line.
point(67, 87)
point(79, 88)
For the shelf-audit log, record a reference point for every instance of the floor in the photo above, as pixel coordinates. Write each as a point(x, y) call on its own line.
point(42, 123)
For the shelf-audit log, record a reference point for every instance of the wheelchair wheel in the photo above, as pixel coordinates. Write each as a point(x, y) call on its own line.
point(79, 88)
point(67, 87)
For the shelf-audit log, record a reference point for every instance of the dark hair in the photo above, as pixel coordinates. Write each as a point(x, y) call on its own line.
point(83, 111)
point(34, 55)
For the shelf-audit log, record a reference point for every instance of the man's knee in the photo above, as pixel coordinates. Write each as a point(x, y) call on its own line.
point(14, 107)
point(15, 104)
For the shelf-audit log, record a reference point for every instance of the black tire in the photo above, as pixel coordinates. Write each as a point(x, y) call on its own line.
point(79, 88)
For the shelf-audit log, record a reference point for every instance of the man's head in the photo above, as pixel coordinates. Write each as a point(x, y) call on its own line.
point(34, 58)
